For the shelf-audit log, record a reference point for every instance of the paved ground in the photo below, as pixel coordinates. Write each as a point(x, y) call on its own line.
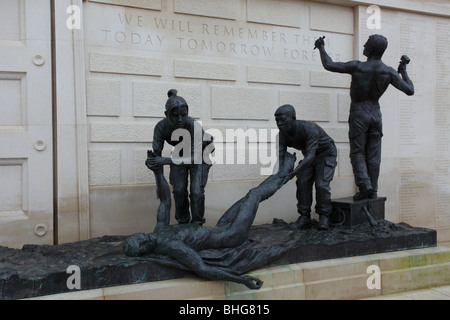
point(435, 293)
point(438, 293)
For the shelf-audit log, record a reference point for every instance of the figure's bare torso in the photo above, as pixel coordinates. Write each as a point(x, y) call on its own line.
point(369, 81)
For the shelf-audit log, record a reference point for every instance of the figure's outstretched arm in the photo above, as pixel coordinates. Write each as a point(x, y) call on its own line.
point(158, 161)
point(329, 64)
point(155, 158)
point(191, 259)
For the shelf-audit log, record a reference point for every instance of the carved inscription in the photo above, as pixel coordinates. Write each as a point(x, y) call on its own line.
point(194, 35)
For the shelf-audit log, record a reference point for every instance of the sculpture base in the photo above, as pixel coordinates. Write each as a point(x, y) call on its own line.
point(42, 270)
point(334, 279)
point(350, 212)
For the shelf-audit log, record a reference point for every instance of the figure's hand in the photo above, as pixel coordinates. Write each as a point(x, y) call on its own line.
point(287, 171)
point(252, 282)
point(401, 67)
point(320, 43)
point(288, 177)
point(154, 163)
point(150, 165)
point(404, 60)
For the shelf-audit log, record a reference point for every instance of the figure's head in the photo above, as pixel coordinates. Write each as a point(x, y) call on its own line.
point(139, 244)
point(285, 117)
point(375, 46)
point(177, 109)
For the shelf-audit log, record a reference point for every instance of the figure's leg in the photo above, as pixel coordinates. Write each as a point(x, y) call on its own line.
point(304, 183)
point(359, 122)
point(358, 160)
point(324, 175)
point(179, 182)
point(199, 177)
point(374, 159)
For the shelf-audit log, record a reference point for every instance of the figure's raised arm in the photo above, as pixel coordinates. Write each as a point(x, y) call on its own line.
point(329, 64)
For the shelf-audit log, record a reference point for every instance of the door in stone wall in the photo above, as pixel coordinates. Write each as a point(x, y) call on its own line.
point(26, 165)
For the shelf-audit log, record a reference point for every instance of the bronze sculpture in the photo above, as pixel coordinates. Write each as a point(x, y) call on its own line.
point(185, 242)
point(317, 166)
point(192, 162)
point(182, 242)
point(370, 79)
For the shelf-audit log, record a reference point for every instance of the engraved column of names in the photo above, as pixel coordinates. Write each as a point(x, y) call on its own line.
point(442, 120)
point(409, 188)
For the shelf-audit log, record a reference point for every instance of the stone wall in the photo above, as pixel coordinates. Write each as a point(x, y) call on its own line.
point(235, 62)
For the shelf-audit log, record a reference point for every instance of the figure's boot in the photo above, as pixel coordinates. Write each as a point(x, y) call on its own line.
point(362, 179)
point(324, 222)
point(304, 221)
point(364, 192)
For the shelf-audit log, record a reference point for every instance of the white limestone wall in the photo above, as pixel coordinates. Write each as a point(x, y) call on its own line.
point(235, 62)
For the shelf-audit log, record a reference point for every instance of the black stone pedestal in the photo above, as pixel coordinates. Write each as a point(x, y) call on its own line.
point(349, 212)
